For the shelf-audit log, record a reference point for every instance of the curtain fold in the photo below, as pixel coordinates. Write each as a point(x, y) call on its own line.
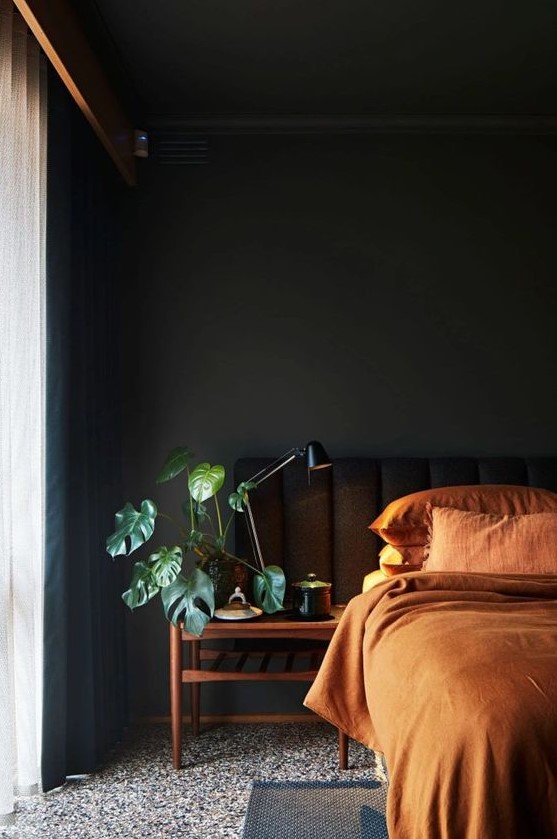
point(85, 698)
point(22, 410)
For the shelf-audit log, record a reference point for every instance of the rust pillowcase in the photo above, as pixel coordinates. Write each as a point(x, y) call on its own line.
point(404, 522)
point(489, 543)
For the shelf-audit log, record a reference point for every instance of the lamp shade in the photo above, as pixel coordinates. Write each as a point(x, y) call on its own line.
point(316, 456)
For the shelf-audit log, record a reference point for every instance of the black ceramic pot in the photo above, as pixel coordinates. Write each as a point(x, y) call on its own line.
point(311, 599)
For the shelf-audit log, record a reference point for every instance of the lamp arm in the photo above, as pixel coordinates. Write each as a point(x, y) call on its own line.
point(257, 479)
point(254, 539)
point(276, 465)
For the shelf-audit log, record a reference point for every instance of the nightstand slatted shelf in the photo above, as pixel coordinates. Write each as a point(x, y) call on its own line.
point(288, 665)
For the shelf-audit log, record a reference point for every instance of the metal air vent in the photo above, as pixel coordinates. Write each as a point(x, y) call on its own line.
point(173, 148)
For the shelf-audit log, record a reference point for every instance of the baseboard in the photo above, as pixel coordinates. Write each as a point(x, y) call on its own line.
point(222, 719)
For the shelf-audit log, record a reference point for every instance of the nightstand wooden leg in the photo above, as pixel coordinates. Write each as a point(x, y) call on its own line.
point(176, 693)
point(342, 750)
point(195, 689)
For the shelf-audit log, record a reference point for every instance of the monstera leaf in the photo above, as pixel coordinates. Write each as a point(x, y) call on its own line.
point(142, 586)
point(268, 589)
point(180, 597)
point(165, 565)
point(137, 525)
point(205, 481)
point(237, 500)
point(175, 463)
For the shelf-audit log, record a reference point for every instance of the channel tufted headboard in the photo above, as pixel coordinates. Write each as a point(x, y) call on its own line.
point(324, 527)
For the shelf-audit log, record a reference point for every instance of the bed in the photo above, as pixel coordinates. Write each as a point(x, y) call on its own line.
point(454, 680)
point(450, 673)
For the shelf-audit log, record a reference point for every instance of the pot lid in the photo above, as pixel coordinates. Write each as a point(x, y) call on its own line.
point(311, 581)
point(237, 608)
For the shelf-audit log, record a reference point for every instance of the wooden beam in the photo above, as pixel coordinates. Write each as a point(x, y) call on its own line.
point(60, 34)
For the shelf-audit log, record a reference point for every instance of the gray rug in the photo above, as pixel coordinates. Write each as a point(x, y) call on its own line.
point(316, 810)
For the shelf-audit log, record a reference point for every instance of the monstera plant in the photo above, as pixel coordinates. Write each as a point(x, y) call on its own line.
point(188, 595)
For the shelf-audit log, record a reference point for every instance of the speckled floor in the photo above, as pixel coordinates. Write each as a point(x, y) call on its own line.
point(137, 794)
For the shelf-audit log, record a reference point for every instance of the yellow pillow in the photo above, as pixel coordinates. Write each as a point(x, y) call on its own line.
point(373, 579)
point(412, 555)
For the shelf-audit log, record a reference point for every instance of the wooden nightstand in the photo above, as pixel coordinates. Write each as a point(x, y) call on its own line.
point(228, 665)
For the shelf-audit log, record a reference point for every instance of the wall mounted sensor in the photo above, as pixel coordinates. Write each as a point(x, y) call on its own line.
point(141, 143)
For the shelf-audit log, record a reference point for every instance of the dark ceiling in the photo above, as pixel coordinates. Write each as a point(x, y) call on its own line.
point(176, 58)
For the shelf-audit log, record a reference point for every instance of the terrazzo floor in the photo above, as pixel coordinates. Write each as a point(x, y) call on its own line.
point(137, 795)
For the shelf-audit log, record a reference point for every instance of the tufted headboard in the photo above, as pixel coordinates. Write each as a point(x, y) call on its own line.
point(323, 527)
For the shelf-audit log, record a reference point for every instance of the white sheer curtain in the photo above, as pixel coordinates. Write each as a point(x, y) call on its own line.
point(22, 370)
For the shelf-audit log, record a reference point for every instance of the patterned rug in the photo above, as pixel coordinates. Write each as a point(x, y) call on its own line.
point(311, 809)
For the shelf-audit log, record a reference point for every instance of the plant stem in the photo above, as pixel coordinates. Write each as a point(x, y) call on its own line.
point(243, 561)
point(191, 500)
point(218, 514)
point(229, 522)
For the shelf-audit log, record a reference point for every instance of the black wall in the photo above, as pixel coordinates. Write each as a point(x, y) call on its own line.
point(384, 294)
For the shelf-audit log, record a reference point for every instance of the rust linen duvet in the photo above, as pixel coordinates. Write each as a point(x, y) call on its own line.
point(454, 678)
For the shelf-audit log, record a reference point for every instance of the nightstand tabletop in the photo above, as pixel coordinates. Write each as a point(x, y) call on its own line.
point(279, 625)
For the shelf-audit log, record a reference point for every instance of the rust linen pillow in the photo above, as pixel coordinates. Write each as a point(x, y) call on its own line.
point(405, 520)
point(491, 543)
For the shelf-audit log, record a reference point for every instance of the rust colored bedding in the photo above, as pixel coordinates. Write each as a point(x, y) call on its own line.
point(454, 678)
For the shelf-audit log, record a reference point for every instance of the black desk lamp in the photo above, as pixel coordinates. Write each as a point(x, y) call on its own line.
point(316, 458)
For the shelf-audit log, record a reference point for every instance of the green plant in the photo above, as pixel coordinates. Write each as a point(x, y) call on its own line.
point(188, 597)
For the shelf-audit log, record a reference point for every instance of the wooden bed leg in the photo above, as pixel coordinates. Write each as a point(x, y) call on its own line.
point(342, 750)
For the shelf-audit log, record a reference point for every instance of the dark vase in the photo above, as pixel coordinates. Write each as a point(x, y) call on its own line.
point(225, 575)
